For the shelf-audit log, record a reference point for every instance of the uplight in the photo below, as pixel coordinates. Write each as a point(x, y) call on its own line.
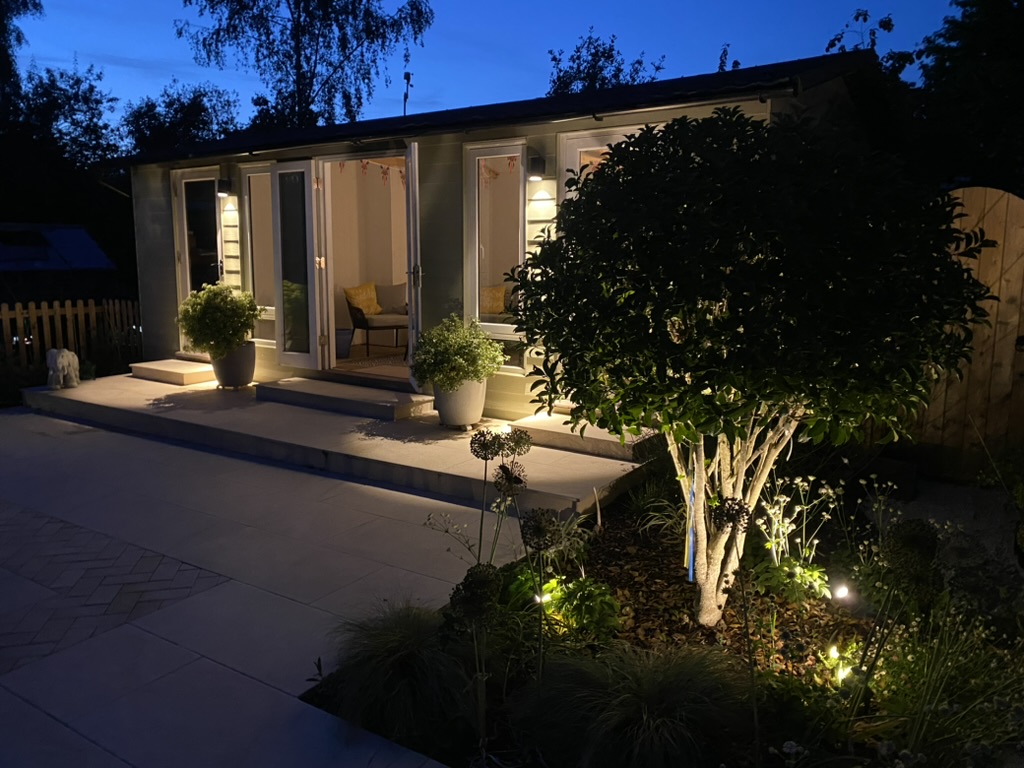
point(842, 591)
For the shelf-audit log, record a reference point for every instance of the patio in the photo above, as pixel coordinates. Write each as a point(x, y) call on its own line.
point(175, 557)
point(360, 433)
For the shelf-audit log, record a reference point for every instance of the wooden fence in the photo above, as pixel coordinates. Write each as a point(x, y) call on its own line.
point(988, 402)
point(109, 330)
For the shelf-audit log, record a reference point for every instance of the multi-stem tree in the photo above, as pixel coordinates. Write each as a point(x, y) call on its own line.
point(319, 58)
point(727, 283)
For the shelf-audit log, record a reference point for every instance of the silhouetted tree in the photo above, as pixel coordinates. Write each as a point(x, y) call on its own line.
point(972, 70)
point(596, 63)
point(11, 39)
point(68, 108)
point(180, 116)
point(318, 58)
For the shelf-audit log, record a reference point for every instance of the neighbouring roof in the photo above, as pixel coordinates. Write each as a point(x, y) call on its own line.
point(32, 247)
point(786, 76)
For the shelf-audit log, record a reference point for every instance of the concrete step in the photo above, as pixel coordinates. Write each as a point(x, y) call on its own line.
point(552, 432)
point(345, 398)
point(179, 372)
point(415, 455)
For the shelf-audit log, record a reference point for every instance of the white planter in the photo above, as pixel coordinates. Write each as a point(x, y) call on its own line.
point(462, 408)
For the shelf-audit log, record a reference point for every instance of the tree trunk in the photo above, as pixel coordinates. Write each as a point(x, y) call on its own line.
point(739, 471)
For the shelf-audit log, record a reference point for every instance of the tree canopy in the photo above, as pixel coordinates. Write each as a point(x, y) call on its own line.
point(725, 282)
point(968, 69)
point(596, 63)
point(319, 59)
point(70, 108)
point(11, 39)
point(181, 115)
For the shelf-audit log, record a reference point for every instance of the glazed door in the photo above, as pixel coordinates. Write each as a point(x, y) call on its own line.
point(298, 267)
point(412, 208)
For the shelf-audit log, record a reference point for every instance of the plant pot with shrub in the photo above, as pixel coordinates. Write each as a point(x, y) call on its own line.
point(457, 359)
point(218, 321)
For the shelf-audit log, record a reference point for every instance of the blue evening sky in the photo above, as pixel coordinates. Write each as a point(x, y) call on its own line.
point(477, 51)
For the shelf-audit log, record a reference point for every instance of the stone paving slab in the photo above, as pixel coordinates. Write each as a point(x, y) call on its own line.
point(29, 738)
point(93, 583)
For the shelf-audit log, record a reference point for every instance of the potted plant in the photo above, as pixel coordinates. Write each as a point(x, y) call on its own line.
point(218, 320)
point(457, 359)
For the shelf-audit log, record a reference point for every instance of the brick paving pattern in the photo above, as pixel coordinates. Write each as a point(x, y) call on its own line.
point(97, 582)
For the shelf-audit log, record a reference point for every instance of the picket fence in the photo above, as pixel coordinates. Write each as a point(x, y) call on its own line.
point(109, 329)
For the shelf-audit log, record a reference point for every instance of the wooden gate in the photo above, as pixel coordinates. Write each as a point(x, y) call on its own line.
point(988, 402)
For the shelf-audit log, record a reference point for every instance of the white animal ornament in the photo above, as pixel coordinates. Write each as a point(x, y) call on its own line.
point(63, 365)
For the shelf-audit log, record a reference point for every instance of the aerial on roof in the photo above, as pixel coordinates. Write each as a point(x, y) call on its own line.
point(782, 77)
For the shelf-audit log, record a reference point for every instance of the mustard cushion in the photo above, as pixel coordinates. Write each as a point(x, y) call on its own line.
point(492, 300)
point(364, 297)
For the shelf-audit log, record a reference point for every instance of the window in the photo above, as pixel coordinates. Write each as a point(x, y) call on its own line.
point(495, 197)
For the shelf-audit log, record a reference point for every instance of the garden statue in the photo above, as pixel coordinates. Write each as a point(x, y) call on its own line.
point(63, 365)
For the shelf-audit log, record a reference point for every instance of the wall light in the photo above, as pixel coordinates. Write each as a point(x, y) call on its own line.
point(223, 187)
point(536, 167)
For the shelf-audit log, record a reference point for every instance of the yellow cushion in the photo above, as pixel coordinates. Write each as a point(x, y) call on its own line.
point(492, 300)
point(364, 297)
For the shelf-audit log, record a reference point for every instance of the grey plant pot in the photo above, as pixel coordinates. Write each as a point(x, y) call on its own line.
point(462, 408)
point(237, 367)
point(343, 342)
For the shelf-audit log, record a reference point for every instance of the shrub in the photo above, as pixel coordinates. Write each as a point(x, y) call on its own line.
point(452, 353)
point(217, 319)
point(395, 678)
point(637, 709)
point(943, 687)
point(909, 549)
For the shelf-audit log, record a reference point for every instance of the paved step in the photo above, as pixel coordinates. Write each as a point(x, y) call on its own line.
point(345, 398)
point(552, 432)
point(414, 454)
point(179, 372)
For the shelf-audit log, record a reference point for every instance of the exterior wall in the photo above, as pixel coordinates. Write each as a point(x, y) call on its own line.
point(442, 243)
point(154, 244)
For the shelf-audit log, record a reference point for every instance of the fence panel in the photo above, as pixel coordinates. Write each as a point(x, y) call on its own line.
point(108, 330)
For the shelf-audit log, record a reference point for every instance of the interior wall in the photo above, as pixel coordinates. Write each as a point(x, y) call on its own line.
point(373, 190)
point(399, 227)
point(344, 222)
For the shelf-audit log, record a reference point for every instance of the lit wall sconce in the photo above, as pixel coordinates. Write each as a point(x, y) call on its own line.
point(536, 167)
point(223, 187)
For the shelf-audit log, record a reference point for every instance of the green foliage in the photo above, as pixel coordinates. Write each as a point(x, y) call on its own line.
point(319, 59)
point(395, 678)
point(452, 353)
point(792, 514)
point(587, 610)
point(636, 709)
point(942, 686)
point(714, 267)
point(557, 539)
point(182, 115)
point(217, 319)
point(595, 64)
point(791, 579)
